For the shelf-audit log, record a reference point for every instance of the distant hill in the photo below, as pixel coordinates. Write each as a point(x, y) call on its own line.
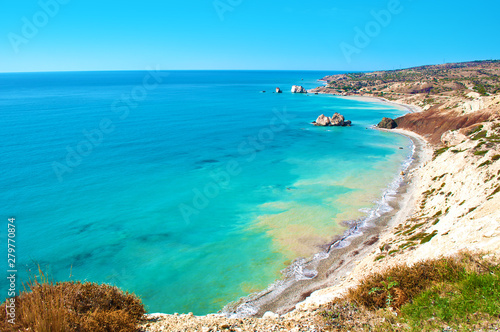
point(481, 76)
point(453, 95)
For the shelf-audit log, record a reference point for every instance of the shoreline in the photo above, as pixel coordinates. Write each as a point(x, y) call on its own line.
point(408, 107)
point(331, 267)
point(403, 205)
point(361, 238)
point(334, 273)
point(447, 202)
point(343, 252)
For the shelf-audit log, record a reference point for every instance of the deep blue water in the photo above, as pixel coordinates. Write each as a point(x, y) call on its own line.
point(189, 188)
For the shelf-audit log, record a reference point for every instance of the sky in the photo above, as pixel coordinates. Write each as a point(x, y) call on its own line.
point(82, 35)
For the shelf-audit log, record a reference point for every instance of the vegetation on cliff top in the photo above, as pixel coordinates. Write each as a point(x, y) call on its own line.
point(453, 96)
point(480, 76)
point(461, 292)
point(72, 306)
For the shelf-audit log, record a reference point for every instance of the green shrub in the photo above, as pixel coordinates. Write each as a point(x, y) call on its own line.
point(487, 162)
point(428, 237)
point(440, 151)
point(480, 153)
point(461, 292)
point(411, 281)
point(481, 134)
point(473, 297)
point(475, 130)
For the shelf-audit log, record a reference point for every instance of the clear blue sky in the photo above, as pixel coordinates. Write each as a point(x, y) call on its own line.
point(243, 34)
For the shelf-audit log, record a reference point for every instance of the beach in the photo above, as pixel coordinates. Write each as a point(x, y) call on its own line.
point(403, 206)
point(410, 108)
point(197, 192)
point(331, 268)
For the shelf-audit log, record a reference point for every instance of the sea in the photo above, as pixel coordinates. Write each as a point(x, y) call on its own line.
point(190, 189)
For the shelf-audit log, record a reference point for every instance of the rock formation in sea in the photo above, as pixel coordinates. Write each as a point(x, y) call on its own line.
point(322, 120)
point(337, 120)
point(298, 89)
point(387, 123)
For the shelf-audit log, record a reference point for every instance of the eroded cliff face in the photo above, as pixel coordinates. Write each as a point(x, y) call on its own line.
point(433, 123)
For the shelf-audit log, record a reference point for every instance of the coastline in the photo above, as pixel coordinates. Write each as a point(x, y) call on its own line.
point(344, 252)
point(408, 107)
point(332, 267)
point(447, 202)
point(403, 206)
point(297, 307)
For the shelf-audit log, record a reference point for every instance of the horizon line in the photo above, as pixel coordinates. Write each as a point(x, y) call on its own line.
point(139, 70)
point(336, 70)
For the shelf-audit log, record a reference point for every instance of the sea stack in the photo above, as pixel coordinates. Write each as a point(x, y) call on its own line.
point(337, 120)
point(298, 89)
point(387, 123)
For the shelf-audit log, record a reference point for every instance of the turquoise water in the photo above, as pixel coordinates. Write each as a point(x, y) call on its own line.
point(188, 188)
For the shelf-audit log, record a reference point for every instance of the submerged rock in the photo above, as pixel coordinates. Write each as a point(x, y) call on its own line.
point(387, 123)
point(298, 89)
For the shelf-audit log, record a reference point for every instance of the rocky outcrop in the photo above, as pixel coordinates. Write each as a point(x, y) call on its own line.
point(337, 120)
point(432, 124)
point(278, 90)
point(387, 123)
point(298, 89)
point(322, 120)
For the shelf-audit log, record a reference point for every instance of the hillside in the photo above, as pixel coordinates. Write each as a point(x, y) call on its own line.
point(454, 96)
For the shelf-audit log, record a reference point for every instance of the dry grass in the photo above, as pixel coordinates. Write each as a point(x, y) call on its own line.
point(366, 307)
point(73, 306)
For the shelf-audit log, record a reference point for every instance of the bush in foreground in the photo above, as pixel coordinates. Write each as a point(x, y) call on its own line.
point(73, 306)
point(462, 292)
